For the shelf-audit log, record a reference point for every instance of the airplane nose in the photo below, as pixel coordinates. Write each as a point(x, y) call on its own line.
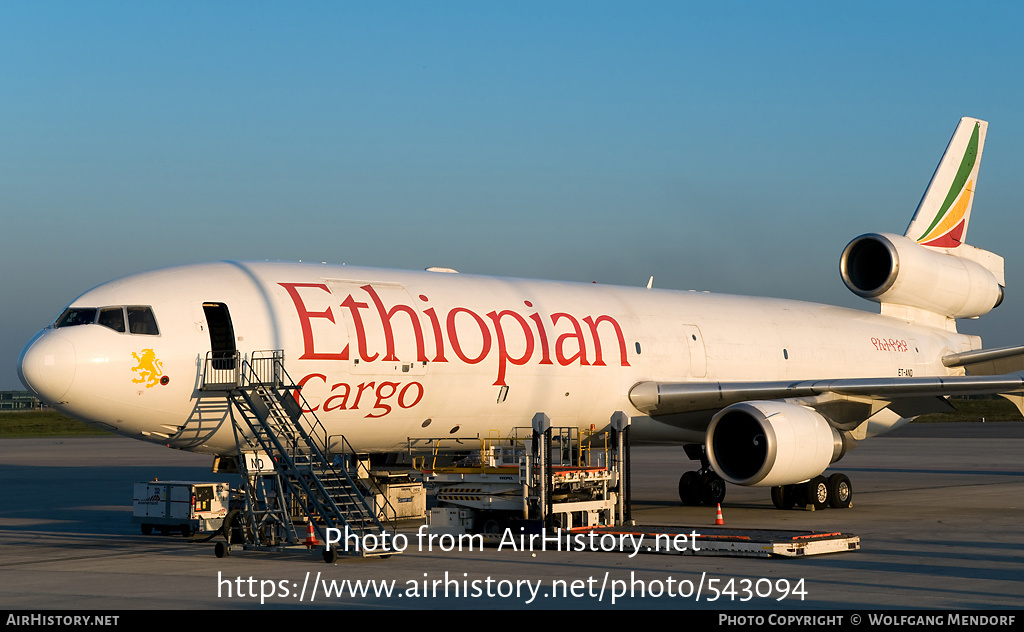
point(47, 366)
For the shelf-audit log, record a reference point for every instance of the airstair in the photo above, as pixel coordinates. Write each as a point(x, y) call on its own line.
point(286, 469)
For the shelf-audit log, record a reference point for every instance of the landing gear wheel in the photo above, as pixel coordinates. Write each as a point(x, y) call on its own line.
point(222, 549)
point(840, 491)
point(797, 494)
point(491, 523)
point(232, 528)
point(713, 488)
point(817, 492)
point(689, 488)
point(782, 497)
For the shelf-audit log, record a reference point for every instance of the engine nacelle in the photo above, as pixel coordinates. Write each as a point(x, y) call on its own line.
point(768, 443)
point(894, 269)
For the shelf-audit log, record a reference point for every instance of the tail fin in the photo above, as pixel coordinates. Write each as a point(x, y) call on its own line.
point(945, 210)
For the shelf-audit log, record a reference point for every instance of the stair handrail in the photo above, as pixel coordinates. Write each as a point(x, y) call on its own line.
point(220, 364)
point(316, 434)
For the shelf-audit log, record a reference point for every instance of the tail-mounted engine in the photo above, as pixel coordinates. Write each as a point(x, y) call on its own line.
point(892, 269)
point(768, 443)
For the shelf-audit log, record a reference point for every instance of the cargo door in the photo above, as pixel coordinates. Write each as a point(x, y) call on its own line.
point(695, 344)
point(222, 336)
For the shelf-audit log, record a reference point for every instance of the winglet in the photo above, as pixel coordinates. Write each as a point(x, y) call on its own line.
point(945, 210)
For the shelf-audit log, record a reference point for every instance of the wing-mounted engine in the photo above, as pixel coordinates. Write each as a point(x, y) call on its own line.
point(895, 270)
point(769, 443)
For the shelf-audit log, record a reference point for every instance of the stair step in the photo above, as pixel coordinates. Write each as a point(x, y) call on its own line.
point(331, 491)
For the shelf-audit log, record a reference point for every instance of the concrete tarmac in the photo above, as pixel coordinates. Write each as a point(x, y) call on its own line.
point(939, 508)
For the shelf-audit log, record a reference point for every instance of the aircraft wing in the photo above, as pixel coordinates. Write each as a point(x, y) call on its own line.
point(907, 397)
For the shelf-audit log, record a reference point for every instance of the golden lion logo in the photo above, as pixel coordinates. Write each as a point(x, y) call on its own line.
point(149, 369)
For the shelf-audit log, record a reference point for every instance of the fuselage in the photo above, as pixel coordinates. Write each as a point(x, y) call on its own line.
point(386, 356)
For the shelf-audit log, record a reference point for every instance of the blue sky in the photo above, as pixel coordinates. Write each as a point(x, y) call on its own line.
point(733, 147)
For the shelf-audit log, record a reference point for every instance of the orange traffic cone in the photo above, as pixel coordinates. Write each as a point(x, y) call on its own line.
point(310, 541)
point(718, 518)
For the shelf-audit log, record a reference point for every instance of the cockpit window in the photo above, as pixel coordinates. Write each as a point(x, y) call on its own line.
point(112, 317)
point(76, 316)
point(140, 319)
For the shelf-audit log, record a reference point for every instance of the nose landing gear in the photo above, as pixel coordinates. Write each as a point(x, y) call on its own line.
point(701, 487)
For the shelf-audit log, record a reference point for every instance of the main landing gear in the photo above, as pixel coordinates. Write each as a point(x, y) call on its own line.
point(819, 493)
point(703, 486)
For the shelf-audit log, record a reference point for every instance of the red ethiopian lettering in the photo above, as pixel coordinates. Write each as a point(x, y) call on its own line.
point(392, 388)
point(405, 389)
point(389, 335)
point(503, 355)
point(301, 384)
point(485, 347)
point(568, 335)
point(577, 333)
point(598, 361)
point(305, 322)
point(545, 352)
point(328, 406)
point(359, 393)
point(435, 325)
point(386, 395)
point(357, 321)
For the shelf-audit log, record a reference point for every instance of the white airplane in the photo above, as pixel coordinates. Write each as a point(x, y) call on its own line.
point(765, 392)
